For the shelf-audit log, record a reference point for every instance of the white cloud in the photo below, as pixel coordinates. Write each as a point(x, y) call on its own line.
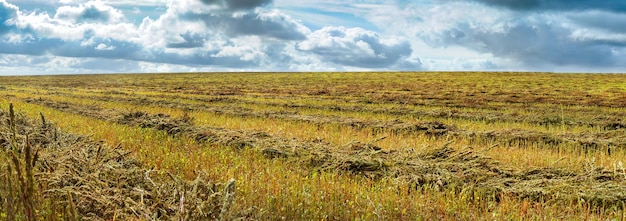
point(246, 49)
point(16, 64)
point(235, 5)
point(535, 39)
point(335, 36)
point(508, 39)
point(96, 30)
point(104, 47)
point(260, 22)
point(8, 13)
point(73, 23)
point(355, 47)
point(92, 11)
point(557, 5)
point(44, 26)
point(460, 64)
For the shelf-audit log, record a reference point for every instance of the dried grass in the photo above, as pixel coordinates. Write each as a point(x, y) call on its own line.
point(65, 176)
point(587, 142)
point(465, 171)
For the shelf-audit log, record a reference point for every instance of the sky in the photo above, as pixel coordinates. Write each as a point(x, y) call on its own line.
point(128, 36)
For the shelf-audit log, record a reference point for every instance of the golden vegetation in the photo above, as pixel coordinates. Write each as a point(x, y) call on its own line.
point(347, 146)
point(53, 175)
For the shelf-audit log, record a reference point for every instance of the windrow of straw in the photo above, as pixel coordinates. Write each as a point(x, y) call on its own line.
point(606, 141)
point(465, 171)
point(395, 126)
point(53, 175)
point(539, 116)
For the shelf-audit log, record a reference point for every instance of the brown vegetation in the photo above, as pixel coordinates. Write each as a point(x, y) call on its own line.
point(55, 175)
point(309, 146)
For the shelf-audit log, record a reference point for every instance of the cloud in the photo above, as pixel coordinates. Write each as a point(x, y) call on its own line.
point(77, 23)
point(535, 40)
point(261, 22)
point(460, 64)
point(49, 64)
point(464, 35)
point(196, 35)
point(104, 47)
point(8, 12)
point(410, 64)
point(608, 21)
point(99, 48)
point(187, 40)
point(28, 45)
point(559, 5)
point(93, 11)
point(355, 47)
point(105, 65)
point(236, 38)
point(199, 33)
point(235, 5)
point(271, 23)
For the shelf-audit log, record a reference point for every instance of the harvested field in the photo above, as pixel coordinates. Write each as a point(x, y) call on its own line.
point(606, 141)
point(465, 170)
point(364, 146)
point(50, 174)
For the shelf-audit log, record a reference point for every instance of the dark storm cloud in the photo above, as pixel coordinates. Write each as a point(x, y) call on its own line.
point(355, 47)
point(235, 5)
point(561, 5)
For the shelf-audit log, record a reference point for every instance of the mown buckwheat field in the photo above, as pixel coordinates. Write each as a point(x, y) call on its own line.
point(313, 146)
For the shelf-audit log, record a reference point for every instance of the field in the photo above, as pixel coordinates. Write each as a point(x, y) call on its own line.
point(314, 146)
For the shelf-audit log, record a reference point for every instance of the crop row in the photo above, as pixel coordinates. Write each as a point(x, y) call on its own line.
point(465, 170)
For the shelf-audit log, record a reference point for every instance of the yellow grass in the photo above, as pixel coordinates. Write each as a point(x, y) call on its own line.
point(553, 104)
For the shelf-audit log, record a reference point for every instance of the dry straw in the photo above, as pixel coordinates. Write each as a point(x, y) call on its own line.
point(54, 175)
